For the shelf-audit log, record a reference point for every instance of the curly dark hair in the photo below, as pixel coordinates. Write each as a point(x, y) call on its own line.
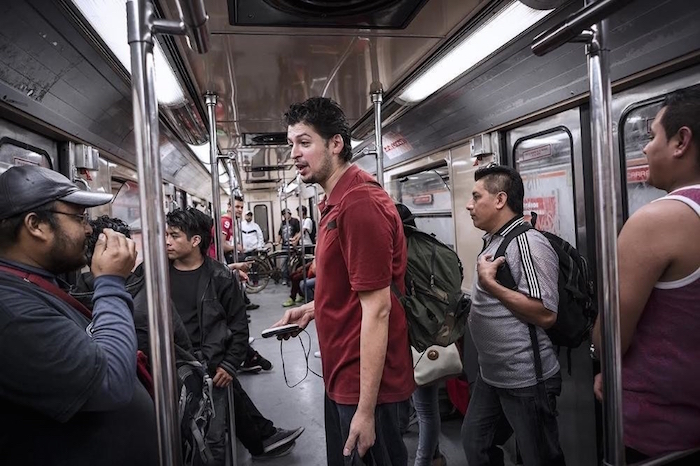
point(326, 117)
point(192, 222)
point(100, 223)
point(499, 178)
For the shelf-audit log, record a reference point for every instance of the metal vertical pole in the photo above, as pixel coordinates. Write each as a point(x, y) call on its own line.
point(377, 100)
point(606, 186)
point(301, 239)
point(139, 20)
point(237, 238)
point(210, 100)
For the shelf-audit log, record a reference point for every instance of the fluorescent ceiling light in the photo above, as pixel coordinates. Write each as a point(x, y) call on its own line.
point(291, 187)
point(502, 28)
point(202, 153)
point(354, 143)
point(108, 18)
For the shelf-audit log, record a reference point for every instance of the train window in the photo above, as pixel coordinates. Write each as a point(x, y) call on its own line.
point(427, 194)
point(13, 152)
point(544, 162)
point(635, 134)
point(125, 205)
point(260, 217)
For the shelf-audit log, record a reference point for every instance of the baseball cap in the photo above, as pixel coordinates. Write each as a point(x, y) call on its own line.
point(25, 187)
point(249, 213)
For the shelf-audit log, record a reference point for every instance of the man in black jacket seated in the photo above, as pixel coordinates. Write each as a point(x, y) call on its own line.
point(210, 303)
point(257, 436)
point(68, 388)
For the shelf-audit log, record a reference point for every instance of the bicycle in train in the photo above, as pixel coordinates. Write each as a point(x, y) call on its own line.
point(265, 265)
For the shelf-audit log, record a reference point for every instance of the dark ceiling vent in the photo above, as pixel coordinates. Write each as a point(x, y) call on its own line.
point(372, 14)
point(265, 139)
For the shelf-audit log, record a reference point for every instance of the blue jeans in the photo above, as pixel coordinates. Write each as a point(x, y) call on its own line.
point(388, 448)
point(530, 411)
point(308, 289)
point(425, 400)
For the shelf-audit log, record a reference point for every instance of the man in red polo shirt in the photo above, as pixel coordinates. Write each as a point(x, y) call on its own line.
point(362, 330)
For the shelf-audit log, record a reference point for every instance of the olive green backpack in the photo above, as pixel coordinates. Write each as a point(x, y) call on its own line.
point(436, 308)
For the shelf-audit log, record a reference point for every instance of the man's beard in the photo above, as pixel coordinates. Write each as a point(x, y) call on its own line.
point(63, 256)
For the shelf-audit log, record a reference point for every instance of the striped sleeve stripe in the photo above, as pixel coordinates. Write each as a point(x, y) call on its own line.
point(528, 267)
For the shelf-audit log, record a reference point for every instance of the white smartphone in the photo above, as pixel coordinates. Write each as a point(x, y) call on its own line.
point(281, 330)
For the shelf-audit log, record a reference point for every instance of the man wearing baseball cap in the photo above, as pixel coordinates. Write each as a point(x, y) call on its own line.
point(68, 387)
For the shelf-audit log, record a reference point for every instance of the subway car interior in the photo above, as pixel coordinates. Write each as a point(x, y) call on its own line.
point(171, 104)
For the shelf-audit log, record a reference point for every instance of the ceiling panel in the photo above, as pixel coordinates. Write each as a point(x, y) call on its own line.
point(258, 71)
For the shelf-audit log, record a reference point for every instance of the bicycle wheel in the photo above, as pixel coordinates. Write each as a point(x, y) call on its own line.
point(258, 276)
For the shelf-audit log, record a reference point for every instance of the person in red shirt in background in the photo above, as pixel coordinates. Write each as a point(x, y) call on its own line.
point(361, 325)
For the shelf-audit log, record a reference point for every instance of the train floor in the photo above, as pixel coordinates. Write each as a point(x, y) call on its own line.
point(303, 404)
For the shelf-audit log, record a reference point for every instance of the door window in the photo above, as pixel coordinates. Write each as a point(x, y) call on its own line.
point(427, 195)
point(544, 162)
point(635, 134)
point(261, 218)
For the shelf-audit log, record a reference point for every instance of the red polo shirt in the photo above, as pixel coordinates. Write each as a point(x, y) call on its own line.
point(226, 228)
point(361, 247)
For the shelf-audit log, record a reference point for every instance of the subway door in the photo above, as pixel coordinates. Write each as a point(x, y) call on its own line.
point(548, 156)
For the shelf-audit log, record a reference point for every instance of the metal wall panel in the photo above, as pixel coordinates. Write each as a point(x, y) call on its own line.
point(516, 83)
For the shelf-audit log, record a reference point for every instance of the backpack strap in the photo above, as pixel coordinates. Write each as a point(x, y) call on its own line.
point(142, 371)
point(505, 278)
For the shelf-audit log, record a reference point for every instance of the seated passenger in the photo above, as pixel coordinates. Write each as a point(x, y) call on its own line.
point(69, 394)
point(659, 279)
point(295, 294)
point(211, 305)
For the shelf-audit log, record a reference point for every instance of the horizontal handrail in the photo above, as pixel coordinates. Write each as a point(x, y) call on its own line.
point(194, 15)
point(576, 23)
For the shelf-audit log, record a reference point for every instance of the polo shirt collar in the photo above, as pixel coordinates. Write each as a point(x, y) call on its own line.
point(340, 187)
point(509, 226)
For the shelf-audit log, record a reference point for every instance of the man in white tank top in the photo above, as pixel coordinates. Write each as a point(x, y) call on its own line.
point(659, 256)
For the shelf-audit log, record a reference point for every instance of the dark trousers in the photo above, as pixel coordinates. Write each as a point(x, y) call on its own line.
point(531, 413)
point(388, 449)
point(251, 426)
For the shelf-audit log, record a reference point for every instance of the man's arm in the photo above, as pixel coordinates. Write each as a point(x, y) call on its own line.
point(643, 251)
point(374, 336)
point(523, 307)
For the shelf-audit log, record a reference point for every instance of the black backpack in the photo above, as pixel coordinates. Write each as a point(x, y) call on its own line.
point(577, 312)
point(436, 309)
point(196, 409)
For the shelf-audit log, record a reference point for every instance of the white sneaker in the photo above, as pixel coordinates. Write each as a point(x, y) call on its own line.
point(317, 354)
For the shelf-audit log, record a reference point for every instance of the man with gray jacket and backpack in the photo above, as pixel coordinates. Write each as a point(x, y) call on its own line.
point(520, 377)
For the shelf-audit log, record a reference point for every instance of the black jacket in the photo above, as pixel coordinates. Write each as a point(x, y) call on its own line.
point(136, 286)
point(222, 321)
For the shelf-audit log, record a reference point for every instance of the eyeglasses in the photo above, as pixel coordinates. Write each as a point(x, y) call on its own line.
point(83, 218)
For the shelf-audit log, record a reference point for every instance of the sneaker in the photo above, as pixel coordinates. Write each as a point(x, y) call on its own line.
point(276, 453)
point(258, 360)
point(288, 302)
point(281, 438)
point(317, 354)
point(300, 299)
point(252, 307)
point(250, 368)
